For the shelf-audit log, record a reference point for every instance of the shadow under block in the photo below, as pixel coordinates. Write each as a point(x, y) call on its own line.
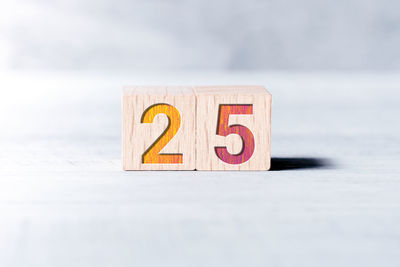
point(158, 128)
point(233, 128)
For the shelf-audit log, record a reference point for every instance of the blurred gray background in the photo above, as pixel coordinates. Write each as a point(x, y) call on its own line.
point(200, 34)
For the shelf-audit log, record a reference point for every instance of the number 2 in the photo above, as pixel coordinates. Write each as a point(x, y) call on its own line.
point(224, 129)
point(152, 155)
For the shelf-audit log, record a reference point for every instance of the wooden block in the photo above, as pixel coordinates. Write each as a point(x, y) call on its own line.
point(158, 128)
point(233, 128)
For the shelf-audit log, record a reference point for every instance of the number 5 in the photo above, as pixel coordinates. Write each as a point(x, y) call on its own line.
point(224, 129)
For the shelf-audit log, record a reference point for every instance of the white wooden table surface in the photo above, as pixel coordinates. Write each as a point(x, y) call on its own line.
point(332, 199)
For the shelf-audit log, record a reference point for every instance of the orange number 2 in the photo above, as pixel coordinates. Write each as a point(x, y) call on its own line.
point(152, 155)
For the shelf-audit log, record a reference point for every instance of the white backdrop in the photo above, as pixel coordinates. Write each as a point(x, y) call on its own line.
point(200, 34)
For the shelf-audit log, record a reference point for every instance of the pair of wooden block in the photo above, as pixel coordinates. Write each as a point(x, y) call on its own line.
point(203, 128)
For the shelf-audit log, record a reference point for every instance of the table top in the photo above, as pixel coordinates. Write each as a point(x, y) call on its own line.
point(331, 198)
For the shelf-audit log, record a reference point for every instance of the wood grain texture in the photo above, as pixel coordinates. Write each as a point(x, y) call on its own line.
point(140, 132)
point(209, 100)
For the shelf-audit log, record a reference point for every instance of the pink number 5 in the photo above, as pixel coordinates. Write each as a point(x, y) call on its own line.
point(224, 129)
